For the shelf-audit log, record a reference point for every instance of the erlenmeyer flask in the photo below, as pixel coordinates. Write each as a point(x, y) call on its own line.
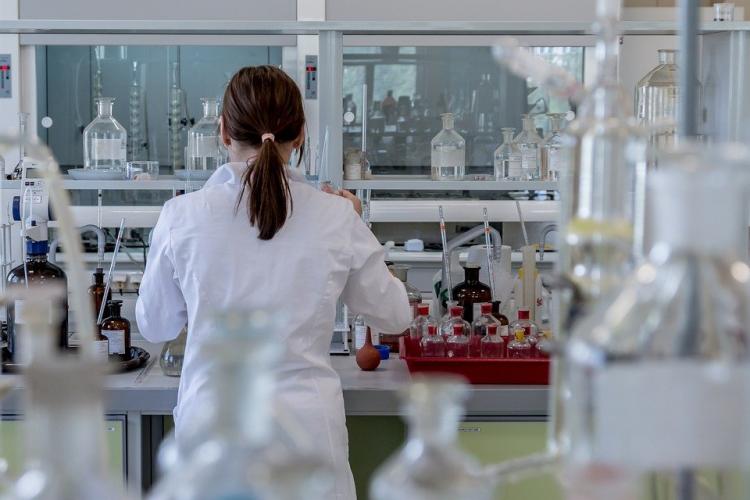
point(431, 466)
point(173, 354)
point(230, 450)
point(658, 374)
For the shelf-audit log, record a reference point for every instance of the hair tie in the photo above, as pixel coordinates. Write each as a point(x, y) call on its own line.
point(267, 137)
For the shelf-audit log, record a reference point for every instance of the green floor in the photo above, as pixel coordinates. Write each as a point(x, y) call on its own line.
point(373, 439)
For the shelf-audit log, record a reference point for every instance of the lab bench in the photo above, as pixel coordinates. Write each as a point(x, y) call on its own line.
point(140, 398)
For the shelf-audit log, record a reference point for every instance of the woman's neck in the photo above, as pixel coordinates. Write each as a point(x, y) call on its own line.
point(246, 154)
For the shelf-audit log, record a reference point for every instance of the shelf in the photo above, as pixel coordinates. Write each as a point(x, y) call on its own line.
point(163, 183)
point(462, 210)
point(424, 183)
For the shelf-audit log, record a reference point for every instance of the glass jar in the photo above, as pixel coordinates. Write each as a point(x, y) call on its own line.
point(420, 325)
point(519, 347)
point(508, 158)
point(431, 465)
point(457, 344)
point(203, 144)
point(471, 293)
point(448, 159)
point(173, 354)
point(479, 329)
point(105, 141)
point(454, 317)
point(492, 345)
point(432, 345)
point(530, 145)
point(670, 347)
point(657, 96)
point(529, 329)
point(554, 149)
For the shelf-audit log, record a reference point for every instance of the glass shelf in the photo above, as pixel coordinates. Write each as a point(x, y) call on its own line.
point(424, 183)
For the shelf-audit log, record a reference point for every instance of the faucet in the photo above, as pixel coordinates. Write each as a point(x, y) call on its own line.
point(549, 228)
point(101, 241)
point(466, 237)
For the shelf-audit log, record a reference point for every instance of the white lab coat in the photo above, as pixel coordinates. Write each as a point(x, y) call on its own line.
point(205, 257)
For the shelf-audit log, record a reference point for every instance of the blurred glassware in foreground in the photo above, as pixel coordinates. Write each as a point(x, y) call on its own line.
point(431, 466)
point(232, 450)
point(671, 349)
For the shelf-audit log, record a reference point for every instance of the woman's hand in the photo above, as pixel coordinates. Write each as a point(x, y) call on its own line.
point(356, 202)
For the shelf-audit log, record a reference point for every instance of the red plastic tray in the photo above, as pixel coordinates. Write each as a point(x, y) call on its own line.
point(481, 371)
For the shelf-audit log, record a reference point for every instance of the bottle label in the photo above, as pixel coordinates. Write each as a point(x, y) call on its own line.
point(19, 313)
point(107, 149)
point(515, 169)
point(116, 341)
point(686, 414)
point(101, 350)
point(360, 336)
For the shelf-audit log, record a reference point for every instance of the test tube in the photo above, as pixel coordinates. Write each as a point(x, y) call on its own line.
point(488, 243)
point(446, 259)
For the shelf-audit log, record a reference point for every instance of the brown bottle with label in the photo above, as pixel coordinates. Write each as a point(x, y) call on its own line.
point(96, 292)
point(471, 293)
point(117, 330)
point(39, 272)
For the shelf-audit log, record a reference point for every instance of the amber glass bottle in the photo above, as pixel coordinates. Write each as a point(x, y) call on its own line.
point(117, 330)
point(39, 272)
point(471, 293)
point(96, 292)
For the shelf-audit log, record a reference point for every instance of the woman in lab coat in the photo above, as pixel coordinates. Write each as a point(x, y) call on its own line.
point(258, 237)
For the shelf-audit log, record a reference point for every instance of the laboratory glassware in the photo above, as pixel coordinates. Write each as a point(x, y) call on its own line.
point(97, 290)
point(519, 347)
point(105, 140)
point(36, 270)
point(432, 345)
point(177, 117)
point(554, 149)
point(530, 145)
point(453, 317)
point(138, 135)
point(529, 328)
point(508, 157)
point(657, 97)
point(419, 326)
point(471, 293)
point(173, 355)
point(360, 332)
point(368, 356)
point(18, 171)
point(479, 328)
point(431, 464)
point(670, 347)
point(414, 296)
point(457, 344)
point(117, 330)
point(492, 345)
point(448, 159)
point(234, 448)
point(142, 170)
point(203, 144)
point(724, 11)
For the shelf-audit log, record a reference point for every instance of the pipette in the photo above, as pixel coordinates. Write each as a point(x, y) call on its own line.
point(523, 224)
point(488, 243)
point(108, 285)
point(446, 260)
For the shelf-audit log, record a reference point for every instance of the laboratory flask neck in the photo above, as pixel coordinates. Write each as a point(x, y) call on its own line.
point(667, 56)
point(508, 134)
point(448, 121)
point(471, 274)
point(104, 107)
point(433, 410)
point(210, 107)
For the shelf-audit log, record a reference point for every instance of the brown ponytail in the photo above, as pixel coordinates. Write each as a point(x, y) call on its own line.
point(262, 108)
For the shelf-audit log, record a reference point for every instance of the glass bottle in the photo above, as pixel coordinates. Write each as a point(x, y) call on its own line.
point(448, 158)
point(479, 329)
point(519, 347)
point(671, 346)
point(471, 293)
point(360, 332)
point(96, 291)
point(554, 150)
point(455, 317)
point(419, 327)
point(415, 298)
point(529, 328)
point(457, 344)
point(117, 330)
point(203, 144)
point(530, 145)
point(231, 447)
point(173, 355)
point(508, 158)
point(432, 345)
point(431, 464)
point(105, 141)
point(39, 272)
point(657, 95)
point(492, 345)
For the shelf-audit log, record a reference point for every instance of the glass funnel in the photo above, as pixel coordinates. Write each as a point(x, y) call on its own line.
point(671, 349)
point(431, 466)
point(530, 145)
point(204, 150)
point(173, 354)
point(448, 158)
point(105, 141)
point(508, 158)
point(230, 448)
